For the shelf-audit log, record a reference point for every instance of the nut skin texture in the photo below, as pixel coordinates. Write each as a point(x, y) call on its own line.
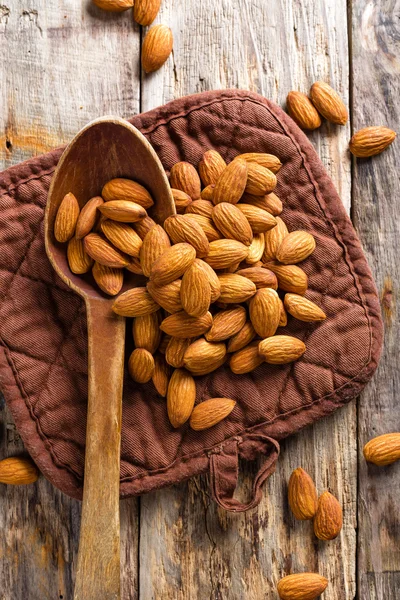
point(79, 260)
point(302, 111)
point(206, 224)
point(211, 167)
point(141, 365)
point(208, 193)
point(231, 183)
point(260, 220)
point(265, 312)
point(226, 323)
point(302, 495)
point(273, 240)
point(122, 236)
point(225, 253)
point(172, 264)
point(245, 360)
point(303, 309)
point(328, 520)
point(181, 229)
point(269, 202)
point(167, 296)
point(260, 181)
point(201, 355)
point(269, 161)
point(126, 189)
point(103, 252)
point(210, 412)
point(146, 332)
point(242, 338)
point(145, 11)
point(18, 470)
point(114, 5)
point(109, 279)
point(295, 247)
point(88, 217)
point(155, 243)
point(182, 325)
point(182, 200)
point(143, 227)
point(200, 207)
point(291, 278)
point(383, 450)
point(260, 277)
point(135, 303)
point(156, 48)
point(281, 349)
point(371, 141)
point(66, 218)
point(183, 176)
point(181, 396)
point(161, 375)
point(213, 280)
point(232, 223)
point(195, 290)
point(123, 211)
point(328, 103)
point(175, 351)
point(256, 249)
point(302, 586)
point(235, 288)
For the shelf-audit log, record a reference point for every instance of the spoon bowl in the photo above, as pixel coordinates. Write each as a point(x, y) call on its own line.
point(105, 149)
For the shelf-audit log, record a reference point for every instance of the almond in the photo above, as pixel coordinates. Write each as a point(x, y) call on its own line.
point(164, 343)
point(200, 207)
point(201, 355)
point(183, 176)
point(270, 202)
point(145, 11)
point(246, 360)
point(210, 412)
point(260, 181)
point(103, 252)
point(232, 223)
point(135, 303)
point(303, 309)
point(143, 227)
point(273, 239)
point(155, 243)
point(231, 183)
point(302, 586)
point(109, 279)
point(208, 192)
point(146, 331)
point(182, 200)
point(295, 247)
point(181, 396)
point(167, 296)
point(265, 312)
point(256, 249)
point(175, 351)
point(283, 315)
point(126, 189)
point(79, 260)
point(242, 338)
point(182, 325)
point(290, 277)
point(212, 233)
point(114, 5)
point(211, 167)
point(141, 365)
point(281, 349)
point(235, 288)
point(383, 450)
point(371, 141)
point(181, 229)
point(211, 366)
point(66, 218)
point(18, 470)
point(124, 211)
point(260, 220)
point(87, 217)
point(269, 161)
point(122, 236)
point(328, 520)
point(328, 103)
point(195, 290)
point(225, 253)
point(156, 48)
point(302, 495)
point(212, 279)
point(172, 264)
point(134, 266)
point(226, 323)
point(161, 374)
point(260, 277)
point(302, 111)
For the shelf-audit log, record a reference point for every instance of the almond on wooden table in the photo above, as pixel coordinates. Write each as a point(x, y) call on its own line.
point(328, 520)
point(231, 183)
point(181, 396)
point(175, 351)
point(302, 495)
point(167, 296)
point(269, 202)
point(109, 279)
point(265, 312)
point(88, 217)
point(383, 450)
point(127, 189)
point(145, 11)
point(210, 412)
point(182, 325)
point(181, 229)
point(302, 111)
point(260, 276)
point(303, 309)
point(371, 141)
point(291, 278)
point(155, 243)
point(114, 5)
point(232, 223)
point(183, 176)
point(181, 199)
point(273, 240)
point(156, 48)
point(123, 211)
point(211, 166)
point(281, 349)
point(161, 374)
point(146, 331)
point(141, 365)
point(235, 288)
point(66, 218)
point(18, 470)
point(103, 252)
point(207, 225)
point(135, 303)
point(260, 181)
point(79, 260)
point(260, 220)
point(172, 263)
point(295, 247)
point(242, 338)
point(302, 586)
point(202, 354)
point(195, 290)
point(246, 359)
point(122, 236)
point(328, 103)
point(200, 207)
point(269, 161)
point(225, 253)
point(256, 249)
point(226, 323)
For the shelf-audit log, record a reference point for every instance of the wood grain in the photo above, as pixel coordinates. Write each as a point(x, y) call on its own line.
point(376, 86)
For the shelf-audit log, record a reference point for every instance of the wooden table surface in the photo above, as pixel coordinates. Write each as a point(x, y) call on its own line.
point(65, 62)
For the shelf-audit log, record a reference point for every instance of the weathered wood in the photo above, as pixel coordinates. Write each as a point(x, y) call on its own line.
point(189, 548)
point(376, 87)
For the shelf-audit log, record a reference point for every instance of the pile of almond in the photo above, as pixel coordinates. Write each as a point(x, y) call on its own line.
point(212, 273)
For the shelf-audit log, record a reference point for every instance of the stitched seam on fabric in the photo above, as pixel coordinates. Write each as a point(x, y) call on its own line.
point(41, 360)
point(15, 186)
point(54, 286)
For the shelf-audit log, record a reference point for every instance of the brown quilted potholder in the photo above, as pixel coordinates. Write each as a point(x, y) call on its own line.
point(43, 356)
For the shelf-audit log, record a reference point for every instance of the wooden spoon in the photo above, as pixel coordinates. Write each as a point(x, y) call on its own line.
point(104, 149)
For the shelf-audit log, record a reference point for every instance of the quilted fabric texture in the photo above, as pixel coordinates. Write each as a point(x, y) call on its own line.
point(43, 356)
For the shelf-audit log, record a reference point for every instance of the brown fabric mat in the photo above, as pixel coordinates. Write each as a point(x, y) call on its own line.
point(43, 356)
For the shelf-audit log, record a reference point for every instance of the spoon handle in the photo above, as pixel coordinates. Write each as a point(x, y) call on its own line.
point(98, 569)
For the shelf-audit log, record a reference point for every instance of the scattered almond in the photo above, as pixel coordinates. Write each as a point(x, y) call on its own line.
point(270, 202)
point(281, 349)
point(231, 183)
point(302, 586)
point(183, 176)
point(122, 236)
point(383, 450)
point(202, 354)
point(146, 331)
point(290, 277)
point(208, 192)
point(245, 360)
point(303, 309)
point(200, 207)
point(328, 520)
point(371, 141)
point(143, 227)
point(182, 325)
point(135, 303)
point(181, 229)
point(213, 279)
point(242, 338)
point(182, 200)
point(66, 218)
point(79, 260)
point(225, 253)
point(269, 161)
point(18, 470)
point(161, 374)
point(232, 222)
point(210, 412)
point(211, 166)
point(212, 233)
point(172, 264)
point(126, 189)
point(181, 396)
point(141, 365)
point(156, 48)
point(295, 247)
point(302, 495)
point(175, 351)
point(260, 220)
point(235, 288)
point(328, 103)
point(103, 252)
point(256, 249)
point(109, 279)
point(155, 243)
point(124, 211)
point(226, 323)
point(260, 277)
point(265, 312)
point(260, 181)
point(145, 11)
point(88, 217)
point(167, 296)
point(302, 111)
point(114, 5)
point(273, 240)
point(195, 290)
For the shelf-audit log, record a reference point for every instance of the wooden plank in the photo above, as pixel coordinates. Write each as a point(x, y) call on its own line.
point(188, 548)
point(61, 65)
point(376, 88)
